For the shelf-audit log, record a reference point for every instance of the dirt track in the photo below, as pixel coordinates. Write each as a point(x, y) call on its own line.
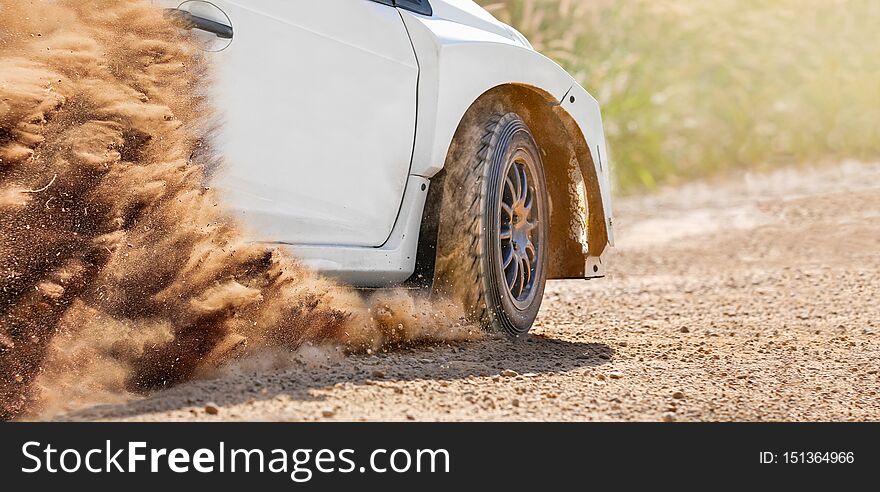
point(748, 299)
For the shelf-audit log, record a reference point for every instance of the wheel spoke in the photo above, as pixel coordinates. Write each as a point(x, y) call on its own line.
point(520, 278)
point(527, 271)
point(512, 273)
point(532, 224)
point(528, 203)
point(518, 182)
point(507, 209)
point(506, 233)
point(507, 259)
point(508, 184)
point(531, 251)
point(524, 182)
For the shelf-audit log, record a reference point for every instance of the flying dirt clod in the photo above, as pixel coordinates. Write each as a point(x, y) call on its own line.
point(119, 270)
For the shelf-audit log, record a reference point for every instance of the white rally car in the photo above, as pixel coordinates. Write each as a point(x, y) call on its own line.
point(414, 143)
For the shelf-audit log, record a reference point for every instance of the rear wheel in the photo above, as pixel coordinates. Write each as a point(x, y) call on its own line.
point(492, 239)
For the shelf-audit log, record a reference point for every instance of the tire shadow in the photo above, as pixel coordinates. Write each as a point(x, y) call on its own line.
point(534, 355)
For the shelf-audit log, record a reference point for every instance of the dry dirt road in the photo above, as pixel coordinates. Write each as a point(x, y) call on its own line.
point(751, 298)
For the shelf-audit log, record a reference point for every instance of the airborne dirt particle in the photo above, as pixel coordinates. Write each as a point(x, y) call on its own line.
point(118, 272)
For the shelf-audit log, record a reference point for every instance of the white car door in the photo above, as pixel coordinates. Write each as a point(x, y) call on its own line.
point(318, 99)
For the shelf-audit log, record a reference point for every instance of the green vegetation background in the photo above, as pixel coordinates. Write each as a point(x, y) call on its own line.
point(694, 87)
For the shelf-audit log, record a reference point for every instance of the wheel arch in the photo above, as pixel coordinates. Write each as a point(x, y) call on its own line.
point(577, 217)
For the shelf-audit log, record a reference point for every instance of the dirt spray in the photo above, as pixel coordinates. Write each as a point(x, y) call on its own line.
point(119, 270)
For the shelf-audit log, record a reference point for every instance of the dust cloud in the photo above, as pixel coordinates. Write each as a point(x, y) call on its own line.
point(119, 271)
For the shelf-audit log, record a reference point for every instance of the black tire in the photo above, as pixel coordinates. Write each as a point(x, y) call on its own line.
point(491, 231)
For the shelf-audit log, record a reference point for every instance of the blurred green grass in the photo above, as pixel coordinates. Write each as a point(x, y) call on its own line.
point(694, 87)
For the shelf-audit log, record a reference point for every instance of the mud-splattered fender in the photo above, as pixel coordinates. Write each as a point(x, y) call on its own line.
point(458, 63)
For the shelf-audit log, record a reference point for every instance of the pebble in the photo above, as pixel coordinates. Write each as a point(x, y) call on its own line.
point(669, 417)
point(378, 374)
point(212, 409)
point(509, 373)
point(678, 395)
point(615, 375)
point(685, 329)
point(328, 413)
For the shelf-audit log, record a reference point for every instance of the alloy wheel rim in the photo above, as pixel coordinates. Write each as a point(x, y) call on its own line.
point(518, 232)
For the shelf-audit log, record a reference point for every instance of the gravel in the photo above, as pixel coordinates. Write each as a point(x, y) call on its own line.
point(751, 298)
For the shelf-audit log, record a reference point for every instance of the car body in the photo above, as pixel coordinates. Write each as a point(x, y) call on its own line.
point(339, 114)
